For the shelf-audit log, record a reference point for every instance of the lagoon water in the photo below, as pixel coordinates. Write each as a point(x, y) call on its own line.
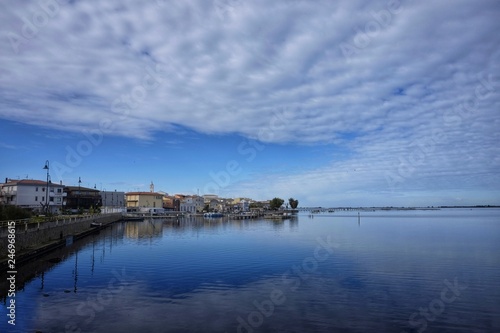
point(389, 271)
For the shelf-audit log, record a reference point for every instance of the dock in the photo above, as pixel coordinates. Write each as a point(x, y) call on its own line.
point(244, 216)
point(278, 216)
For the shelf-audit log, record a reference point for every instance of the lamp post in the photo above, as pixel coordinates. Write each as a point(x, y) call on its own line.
point(95, 200)
point(78, 198)
point(46, 167)
point(105, 204)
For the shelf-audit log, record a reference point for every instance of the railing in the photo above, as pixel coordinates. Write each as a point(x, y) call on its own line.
point(42, 222)
point(8, 193)
point(17, 222)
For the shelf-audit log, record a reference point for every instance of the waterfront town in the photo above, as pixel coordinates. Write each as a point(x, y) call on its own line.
point(47, 198)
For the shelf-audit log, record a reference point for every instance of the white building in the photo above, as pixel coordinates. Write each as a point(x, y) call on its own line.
point(33, 194)
point(187, 205)
point(113, 202)
point(199, 203)
point(212, 204)
point(192, 204)
point(224, 205)
point(244, 206)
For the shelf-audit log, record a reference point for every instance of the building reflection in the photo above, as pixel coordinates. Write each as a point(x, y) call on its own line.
point(198, 223)
point(102, 242)
point(148, 228)
point(37, 268)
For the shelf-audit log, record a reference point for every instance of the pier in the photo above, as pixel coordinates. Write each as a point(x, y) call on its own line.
point(245, 216)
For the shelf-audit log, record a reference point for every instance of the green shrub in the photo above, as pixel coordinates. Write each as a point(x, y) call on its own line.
point(10, 212)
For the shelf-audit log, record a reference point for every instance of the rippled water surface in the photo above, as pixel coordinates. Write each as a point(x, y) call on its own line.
point(389, 271)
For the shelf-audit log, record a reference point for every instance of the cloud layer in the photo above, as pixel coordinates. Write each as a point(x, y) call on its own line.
point(380, 78)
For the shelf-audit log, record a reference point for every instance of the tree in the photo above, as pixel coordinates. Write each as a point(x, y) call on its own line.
point(293, 203)
point(276, 203)
point(11, 212)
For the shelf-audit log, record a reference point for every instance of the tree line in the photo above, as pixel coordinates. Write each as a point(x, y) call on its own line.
point(276, 203)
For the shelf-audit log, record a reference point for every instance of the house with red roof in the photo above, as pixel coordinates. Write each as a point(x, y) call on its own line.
point(37, 195)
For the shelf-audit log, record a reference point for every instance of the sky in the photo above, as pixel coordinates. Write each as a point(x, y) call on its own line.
point(334, 103)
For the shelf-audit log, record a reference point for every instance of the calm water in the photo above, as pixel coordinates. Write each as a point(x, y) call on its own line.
point(398, 271)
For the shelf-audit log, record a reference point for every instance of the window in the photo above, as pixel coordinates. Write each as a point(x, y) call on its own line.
point(59, 190)
point(43, 189)
point(36, 198)
point(51, 199)
point(43, 198)
point(36, 189)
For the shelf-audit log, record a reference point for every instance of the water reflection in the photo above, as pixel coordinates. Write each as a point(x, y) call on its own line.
point(97, 243)
point(198, 274)
point(149, 228)
point(75, 272)
point(39, 268)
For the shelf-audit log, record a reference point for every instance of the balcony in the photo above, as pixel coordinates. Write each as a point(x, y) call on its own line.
point(10, 194)
point(5, 193)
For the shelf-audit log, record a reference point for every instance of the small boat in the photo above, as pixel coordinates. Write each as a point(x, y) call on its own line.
point(95, 224)
point(212, 215)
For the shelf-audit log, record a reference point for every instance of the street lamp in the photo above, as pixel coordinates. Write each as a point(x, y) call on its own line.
point(78, 198)
point(105, 204)
point(46, 167)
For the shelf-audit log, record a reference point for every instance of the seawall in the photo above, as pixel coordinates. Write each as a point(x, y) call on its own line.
point(36, 236)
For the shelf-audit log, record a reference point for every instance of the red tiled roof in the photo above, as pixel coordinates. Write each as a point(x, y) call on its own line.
point(30, 182)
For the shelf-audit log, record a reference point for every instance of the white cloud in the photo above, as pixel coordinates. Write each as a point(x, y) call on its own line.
point(234, 68)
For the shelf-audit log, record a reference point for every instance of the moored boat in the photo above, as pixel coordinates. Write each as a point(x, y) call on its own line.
point(212, 215)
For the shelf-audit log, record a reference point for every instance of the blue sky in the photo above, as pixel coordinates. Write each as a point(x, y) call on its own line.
point(331, 102)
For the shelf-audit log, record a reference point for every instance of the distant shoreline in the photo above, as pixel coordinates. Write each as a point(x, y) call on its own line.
point(393, 208)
